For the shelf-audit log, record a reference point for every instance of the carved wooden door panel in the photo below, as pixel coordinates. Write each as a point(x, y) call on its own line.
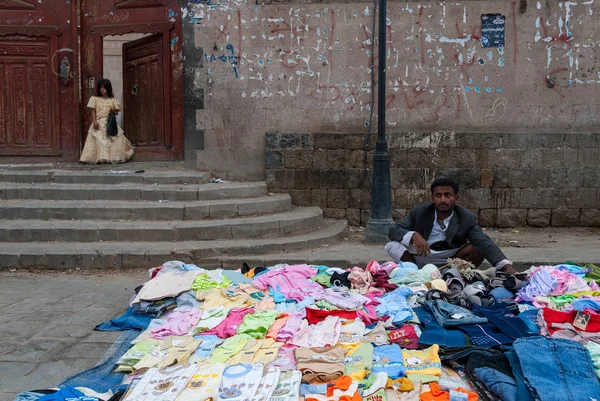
point(143, 93)
point(38, 81)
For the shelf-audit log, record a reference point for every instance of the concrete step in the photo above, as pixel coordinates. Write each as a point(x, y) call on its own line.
point(132, 192)
point(126, 210)
point(295, 221)
point(115, 176)
point(101, 255)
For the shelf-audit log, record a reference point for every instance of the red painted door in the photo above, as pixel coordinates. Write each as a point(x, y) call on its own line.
point(143, 94)
point(38, 81)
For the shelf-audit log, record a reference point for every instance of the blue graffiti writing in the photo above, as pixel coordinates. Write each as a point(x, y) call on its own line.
point(228, 57)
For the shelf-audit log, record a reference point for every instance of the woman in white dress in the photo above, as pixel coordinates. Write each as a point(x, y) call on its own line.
point(99, 146)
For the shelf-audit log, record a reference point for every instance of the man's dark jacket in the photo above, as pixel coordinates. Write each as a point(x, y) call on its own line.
point(463, 228)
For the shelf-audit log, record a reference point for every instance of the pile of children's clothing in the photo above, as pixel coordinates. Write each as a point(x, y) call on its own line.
point(389, 332)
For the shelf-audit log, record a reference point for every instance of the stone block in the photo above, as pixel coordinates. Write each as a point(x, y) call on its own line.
point(319, 159)
point(542, 140)
point(409, 178)
point(336, 158)
point(356, 159)
point(407, 198)
point(539, 177)
point(337, 214)
point(528, 198)
point(307, 178)
point(547, 198)
point(471, 140)
point(353, 216)
point(565, 217)
point(280, 179)
point(298, 159)
point(586, 198)
point(288, 140)
point(505, 198)
point(332, 178)
point(466, 177)
point(355, 141)
point(591, 178)
point(515, 140)
point(355, 178)
point(486, 179)
point(418, 140)
point(338, 198)
point(571, 158)
point(274, 159)
point(306, 140)
point(533, 158)
point(319, 198)
point(328, 141)
point(567, 199)
point(271, 141)
point(588, 157)
point(552, 158)
point(488, 217)
point(519, 177)
point(301, 197)
point(462, 158)
point(590, 218)
point(566, 178)
point(443, 140)
point(440, 158)
point(365, 215)
point(539, 217)
point(500, 177)
point(416, 158)
point(512, 217)
point(355, 198)
point(479, 198)
point(581, 140)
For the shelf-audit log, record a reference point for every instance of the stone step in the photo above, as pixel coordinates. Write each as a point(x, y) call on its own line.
point(296, 221)
point(115, 176)
point(126, 210)
point(102, 255)
point(132, 192)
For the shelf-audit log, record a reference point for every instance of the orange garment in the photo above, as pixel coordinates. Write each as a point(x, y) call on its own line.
point(437, 394)
point(342, 389)
point(280, 321)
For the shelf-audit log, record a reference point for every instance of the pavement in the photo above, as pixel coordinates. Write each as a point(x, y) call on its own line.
point(47, 317)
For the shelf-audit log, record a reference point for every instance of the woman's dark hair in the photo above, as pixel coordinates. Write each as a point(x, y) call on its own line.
point(105, 83)
point(445, 182)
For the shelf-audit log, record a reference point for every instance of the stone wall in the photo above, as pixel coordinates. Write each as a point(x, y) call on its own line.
point(508, 179)
point(304, 65)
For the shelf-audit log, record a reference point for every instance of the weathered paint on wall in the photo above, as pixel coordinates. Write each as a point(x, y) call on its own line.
point(307, 67)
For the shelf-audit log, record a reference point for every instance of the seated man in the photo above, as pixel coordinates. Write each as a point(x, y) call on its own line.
point(434, 232)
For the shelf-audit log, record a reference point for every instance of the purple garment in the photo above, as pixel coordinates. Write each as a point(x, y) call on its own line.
point(289, 330)
point(292, 281)
point(178, 323)
point(540, 283)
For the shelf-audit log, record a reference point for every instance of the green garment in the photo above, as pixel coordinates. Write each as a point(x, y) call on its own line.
point(326, 305)
point(358, 361)
point(417, 278)
point(323, 279)
point(257, 324)
point(229, 348)
point(566, 299)
point(204, 282)
point(137, 352)
point(594, 350)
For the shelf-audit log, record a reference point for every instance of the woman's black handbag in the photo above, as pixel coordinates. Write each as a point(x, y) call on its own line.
point(111, 124)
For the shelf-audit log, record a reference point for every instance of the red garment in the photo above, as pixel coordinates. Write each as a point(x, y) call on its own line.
point(381, 280)
point(228, 327)
point(554, 316)
point(315, 316)
point(405, 337)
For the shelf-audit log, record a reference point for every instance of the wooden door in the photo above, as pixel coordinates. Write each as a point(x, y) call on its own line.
point(143, 94)
point(39, 108)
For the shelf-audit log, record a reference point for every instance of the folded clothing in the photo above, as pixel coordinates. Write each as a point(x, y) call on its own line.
point(320, 365)
point(405, 337)
point(433, 333)
point(554, 316)
point(485, 335)
point(315, 316)
point(423, 363)
point(506, 321)
point(495, 373)
point(448, 315)
point(388, 359)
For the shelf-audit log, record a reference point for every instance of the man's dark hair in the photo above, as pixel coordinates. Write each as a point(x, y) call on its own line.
point(445, 182)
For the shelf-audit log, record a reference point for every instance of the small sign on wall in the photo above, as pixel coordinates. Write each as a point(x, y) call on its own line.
point(492, 30)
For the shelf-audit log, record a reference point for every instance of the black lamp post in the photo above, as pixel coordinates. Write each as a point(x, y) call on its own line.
point(381, 220)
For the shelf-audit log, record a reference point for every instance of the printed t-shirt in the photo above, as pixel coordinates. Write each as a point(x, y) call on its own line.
point(204, 384)
point(267, 385)
point(267, 352)
point(320, 365)
point(173, 350)
point(204, 351)
point(342, 389)
point(376, 392)
point(240, 382)
point(285, 358)
point(405, 337)
point(246, 355)
point(228, 327)
point(352, 332)
point(162, 384)
point(377, 335)
point(424, 365)
point(257, 324)
point(388, 359)
point(288, 387)
point(229, 348)
point(210, 319)
point(358, 360)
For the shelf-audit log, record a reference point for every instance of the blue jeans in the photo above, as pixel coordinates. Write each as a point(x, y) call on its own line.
point(448, 315)
point(508, 323)
point(433, 333)
point(557, 369)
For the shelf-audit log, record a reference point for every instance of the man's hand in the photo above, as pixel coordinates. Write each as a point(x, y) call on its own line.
point(421, 245)
point(96, 125)
point(508, 269)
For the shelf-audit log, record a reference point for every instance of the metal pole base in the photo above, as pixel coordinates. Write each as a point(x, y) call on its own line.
point(377, 231)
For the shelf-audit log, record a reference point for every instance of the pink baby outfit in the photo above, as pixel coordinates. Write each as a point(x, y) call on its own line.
point(361, 279)
point(228, 327)
point(291, 327)
point(178, 323)
point(292, 281)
